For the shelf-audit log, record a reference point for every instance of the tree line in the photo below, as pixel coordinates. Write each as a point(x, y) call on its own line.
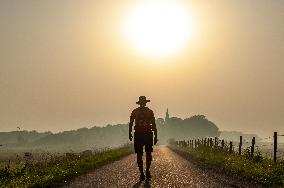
point(111, 135)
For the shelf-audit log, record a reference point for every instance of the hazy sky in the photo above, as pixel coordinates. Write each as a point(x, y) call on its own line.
point(66, 64)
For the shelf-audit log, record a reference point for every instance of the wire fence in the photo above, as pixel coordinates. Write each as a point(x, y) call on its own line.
point(272, 150)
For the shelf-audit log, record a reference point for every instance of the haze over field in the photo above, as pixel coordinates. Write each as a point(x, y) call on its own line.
point(68, 64)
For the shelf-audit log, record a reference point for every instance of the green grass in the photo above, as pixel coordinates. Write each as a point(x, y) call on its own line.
point(58, 170)
point(257, 168)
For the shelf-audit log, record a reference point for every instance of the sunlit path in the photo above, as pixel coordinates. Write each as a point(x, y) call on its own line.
point(168, 170)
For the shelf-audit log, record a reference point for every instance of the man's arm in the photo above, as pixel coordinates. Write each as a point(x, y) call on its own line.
point(130, 126)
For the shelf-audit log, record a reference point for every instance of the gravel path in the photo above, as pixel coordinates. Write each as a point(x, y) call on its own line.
point(168, 170)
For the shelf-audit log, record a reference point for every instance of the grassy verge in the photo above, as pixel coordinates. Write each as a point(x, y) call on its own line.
point(59, 170)
point(257, 168)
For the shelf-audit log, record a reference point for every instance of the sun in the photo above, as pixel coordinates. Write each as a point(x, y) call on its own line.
point(159, 28)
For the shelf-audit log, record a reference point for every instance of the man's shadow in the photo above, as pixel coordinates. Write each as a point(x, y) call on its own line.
point(147, 184)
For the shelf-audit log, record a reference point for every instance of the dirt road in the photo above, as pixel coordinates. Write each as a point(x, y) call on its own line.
point(168, 170)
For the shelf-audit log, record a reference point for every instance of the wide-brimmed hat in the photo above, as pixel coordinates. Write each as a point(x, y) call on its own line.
point(142, 99)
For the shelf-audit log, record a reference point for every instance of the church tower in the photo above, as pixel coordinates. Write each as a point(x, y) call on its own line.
point(167, 116)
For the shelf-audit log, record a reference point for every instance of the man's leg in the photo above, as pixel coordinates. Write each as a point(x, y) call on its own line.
point(149, 150)
point(140, 162)
point(148, 164)
point(138, 145)
point(140, 165)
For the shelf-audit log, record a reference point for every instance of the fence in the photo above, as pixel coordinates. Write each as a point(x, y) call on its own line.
point(228, 145)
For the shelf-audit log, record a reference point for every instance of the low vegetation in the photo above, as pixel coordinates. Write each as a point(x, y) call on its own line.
point(56, 170)
point(257, 168)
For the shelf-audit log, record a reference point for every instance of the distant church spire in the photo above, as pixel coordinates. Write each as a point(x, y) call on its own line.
point(167, 116)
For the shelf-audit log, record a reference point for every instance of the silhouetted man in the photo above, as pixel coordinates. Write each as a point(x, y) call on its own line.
point(143, 136)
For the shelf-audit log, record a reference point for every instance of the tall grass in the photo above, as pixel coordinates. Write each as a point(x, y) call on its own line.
point(258, 168)
point(57, 170)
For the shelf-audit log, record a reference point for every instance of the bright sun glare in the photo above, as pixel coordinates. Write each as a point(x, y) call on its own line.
point(159, 28)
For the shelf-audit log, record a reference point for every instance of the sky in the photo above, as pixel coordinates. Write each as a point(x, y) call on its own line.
point(68, 64)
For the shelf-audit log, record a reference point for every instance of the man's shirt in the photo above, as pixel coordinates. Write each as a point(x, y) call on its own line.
point(144, 119)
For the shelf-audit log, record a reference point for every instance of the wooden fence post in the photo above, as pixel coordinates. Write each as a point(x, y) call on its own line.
point(231, 147)
point(240, 145)
point(252, 146)
point(275, 147)
point(222, 144)
point(198, 142)
point(208, 142)
point(216, 142)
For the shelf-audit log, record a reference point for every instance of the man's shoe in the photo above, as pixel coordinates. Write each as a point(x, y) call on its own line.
point(142, 177)
point(148, 175)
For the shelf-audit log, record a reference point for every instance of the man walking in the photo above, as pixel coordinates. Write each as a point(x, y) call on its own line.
point(143, 136)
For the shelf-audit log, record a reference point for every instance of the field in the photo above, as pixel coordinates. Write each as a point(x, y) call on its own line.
point(266, 149)
point(44, 169)
point(258, 167)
